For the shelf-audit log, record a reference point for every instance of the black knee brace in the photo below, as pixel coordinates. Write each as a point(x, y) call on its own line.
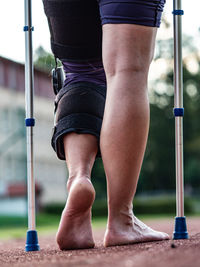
point(75, 28)
point(79, 108)
point(76, 36)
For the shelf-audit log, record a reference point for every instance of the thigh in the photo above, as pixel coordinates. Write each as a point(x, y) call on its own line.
point(131, 25)
point(75, 27)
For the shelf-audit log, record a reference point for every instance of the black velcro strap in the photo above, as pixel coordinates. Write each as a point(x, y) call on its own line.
point(75, 52)
point(78, 123)
point(84, 85)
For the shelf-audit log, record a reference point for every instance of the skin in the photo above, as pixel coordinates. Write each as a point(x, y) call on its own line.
point(124, 134)
point(75, 229)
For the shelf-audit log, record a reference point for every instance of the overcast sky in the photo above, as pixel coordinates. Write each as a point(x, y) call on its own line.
point(12, 22)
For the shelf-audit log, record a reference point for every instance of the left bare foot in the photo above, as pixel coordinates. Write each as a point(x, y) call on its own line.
point(75, 231)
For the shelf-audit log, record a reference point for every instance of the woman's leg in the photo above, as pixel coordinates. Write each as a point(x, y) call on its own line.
point(75, 226)
point(125, 126)
point(76, 39)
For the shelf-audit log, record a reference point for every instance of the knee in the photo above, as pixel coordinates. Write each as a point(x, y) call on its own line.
point(136, 69)
point(127, 64)
point(89, 72)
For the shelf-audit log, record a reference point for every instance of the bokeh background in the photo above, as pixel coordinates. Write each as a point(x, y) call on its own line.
point(156, 189)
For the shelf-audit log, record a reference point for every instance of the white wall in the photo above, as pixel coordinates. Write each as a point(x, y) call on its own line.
point(50, 172)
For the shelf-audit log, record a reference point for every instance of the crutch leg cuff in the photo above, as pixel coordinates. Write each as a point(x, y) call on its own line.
point(32, 241)
point(180, 229)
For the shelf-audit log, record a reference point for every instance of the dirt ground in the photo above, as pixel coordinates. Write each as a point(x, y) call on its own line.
point(179, 253)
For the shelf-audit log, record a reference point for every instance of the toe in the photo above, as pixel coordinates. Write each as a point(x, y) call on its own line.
point(165, 236)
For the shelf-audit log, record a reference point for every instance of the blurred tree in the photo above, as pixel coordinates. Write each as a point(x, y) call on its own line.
point(158, 172)
point(44, 60)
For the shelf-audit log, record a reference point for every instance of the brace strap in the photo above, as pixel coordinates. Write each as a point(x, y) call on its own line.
point(68, 52)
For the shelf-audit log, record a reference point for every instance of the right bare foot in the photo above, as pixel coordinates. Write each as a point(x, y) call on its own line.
point(130, 230)
point(75, 231)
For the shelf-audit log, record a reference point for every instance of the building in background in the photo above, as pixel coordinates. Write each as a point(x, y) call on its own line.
point(50, 173)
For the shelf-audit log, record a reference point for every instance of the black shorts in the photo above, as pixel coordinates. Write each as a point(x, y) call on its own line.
point(140, 12)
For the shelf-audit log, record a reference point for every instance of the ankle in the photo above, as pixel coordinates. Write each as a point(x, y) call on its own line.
point(122, 218)
point(75, 177)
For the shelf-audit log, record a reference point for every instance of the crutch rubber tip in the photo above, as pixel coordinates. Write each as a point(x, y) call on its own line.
point(180, 229)
point(32, 241)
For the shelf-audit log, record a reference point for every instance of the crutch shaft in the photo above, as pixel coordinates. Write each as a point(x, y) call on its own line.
point(180, 230)
point(31, 180)
point(178, 104)
point(178, 69)
point(29, 78)
point(31, 239)
point(179, 167)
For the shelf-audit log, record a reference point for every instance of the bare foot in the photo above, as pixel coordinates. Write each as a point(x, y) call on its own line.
point(75, 231)
point(131, 231)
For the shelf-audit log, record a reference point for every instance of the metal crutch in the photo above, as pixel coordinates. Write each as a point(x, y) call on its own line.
point(180, 231)
point(32, 239)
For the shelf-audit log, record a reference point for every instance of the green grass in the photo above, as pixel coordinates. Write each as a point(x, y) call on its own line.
point(16, 227)
point(20, 232)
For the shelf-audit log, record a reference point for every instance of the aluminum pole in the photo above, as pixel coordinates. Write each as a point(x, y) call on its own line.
point(180, 221)
point(32, 241)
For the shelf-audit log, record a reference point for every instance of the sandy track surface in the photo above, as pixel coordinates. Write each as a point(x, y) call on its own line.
point(183, 253)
